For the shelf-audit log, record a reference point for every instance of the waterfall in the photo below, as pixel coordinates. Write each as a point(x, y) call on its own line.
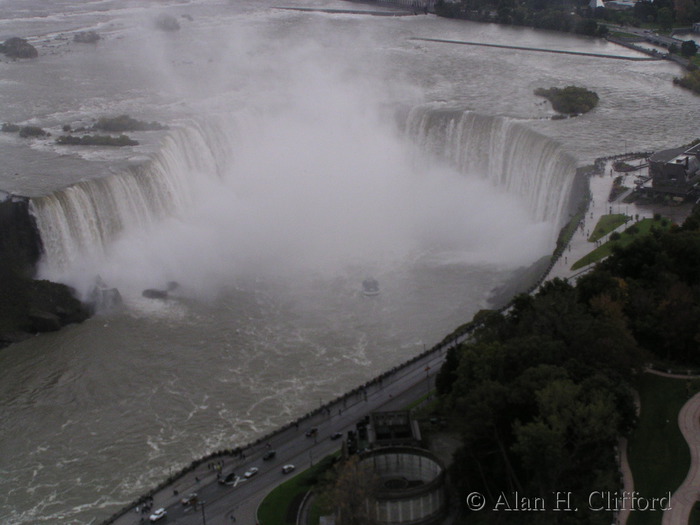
point(79, 223)
point(82, 219)
point(502, 150)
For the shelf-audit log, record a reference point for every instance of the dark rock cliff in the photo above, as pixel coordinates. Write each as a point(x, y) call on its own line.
point(28, 306)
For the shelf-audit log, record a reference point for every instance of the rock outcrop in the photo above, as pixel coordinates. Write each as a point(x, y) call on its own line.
point(167, 23)
point(16, 47)
point(28, 306)
point(86, 37)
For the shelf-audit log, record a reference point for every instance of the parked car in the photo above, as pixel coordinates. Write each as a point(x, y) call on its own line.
point(229, 479)
point(311, 432)
point(287, 469)
point(269, 455)
point(189, 499)
point(158, 514)
point(336, 435)
point(252, 471)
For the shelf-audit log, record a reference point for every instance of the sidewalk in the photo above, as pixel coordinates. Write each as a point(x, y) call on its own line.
point(600, 187)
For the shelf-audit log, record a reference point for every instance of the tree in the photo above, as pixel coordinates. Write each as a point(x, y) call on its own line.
point(664, 17)
point(352, 495)
point(689, 48)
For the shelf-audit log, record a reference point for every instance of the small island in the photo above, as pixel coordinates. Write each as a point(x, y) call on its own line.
point(123, 123)
point(16, 47)
point(571, 100)
point(96, 140)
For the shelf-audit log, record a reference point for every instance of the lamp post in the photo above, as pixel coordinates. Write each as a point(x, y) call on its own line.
point(204, 518)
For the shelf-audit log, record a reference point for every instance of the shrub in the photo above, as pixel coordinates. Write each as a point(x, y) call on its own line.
point(96, 140)
point(31, 131)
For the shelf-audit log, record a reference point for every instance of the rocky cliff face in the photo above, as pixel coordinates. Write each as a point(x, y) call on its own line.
point(28, 306)
point(20, 243)
point(16, 47)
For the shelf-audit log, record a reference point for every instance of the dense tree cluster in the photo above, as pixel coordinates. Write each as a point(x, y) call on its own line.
point(568, 16)
point(572, 15)
point(541, 393)
point(570, 100)
point(125, 123)
point(96, 140)
point(690, 81)
point(666, 13)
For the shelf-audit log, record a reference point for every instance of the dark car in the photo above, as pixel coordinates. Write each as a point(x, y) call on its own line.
point(269, 455)
point(229, 479)
point(336, 435)
point(311, 432)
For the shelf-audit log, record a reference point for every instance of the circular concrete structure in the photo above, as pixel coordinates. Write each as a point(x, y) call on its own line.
point(411, 485)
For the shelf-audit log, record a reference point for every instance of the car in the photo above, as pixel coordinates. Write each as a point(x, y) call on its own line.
point(287, 469)
point(269, 455)
point(311, 432)
point(158, 514)
point(252, 471)
point(229, 479)
point(336, 435)
point(189, 499)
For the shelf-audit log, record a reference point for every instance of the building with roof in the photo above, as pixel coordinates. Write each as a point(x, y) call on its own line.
point(392, 428)
point(675, 171)
point(411, 486)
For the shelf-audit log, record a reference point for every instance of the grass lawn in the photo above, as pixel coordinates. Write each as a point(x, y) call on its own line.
point(658, 454)
point(606, 224)
point(643, 228)
point(280, 505)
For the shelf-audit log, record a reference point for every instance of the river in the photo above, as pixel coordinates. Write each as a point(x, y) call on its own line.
point(306, 152)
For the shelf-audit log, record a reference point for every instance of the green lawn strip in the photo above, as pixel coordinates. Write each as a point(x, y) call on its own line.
point(657, 452)
point(275, 508)
point(643, 227)
point(606, 224)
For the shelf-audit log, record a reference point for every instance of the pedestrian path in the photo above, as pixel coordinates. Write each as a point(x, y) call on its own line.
point(600, 188)
point(627, 479)
point(684, 498)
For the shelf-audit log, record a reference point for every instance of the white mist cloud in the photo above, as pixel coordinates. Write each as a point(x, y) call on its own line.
point(318, 179)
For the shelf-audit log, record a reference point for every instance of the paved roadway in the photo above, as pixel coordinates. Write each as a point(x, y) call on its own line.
point(292, 446)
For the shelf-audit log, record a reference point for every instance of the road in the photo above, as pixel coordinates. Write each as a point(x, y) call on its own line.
point(241, 501)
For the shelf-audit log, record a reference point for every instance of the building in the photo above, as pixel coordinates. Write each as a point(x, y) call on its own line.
point(392, 428)
point(620, 5)
point(411, 486)
point(675, 171)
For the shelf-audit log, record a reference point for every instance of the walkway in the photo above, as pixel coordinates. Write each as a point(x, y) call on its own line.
point(684, 498)
point(600, 187)
point(536, 49)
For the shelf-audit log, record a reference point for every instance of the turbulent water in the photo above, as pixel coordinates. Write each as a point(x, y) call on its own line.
point(306, 151)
